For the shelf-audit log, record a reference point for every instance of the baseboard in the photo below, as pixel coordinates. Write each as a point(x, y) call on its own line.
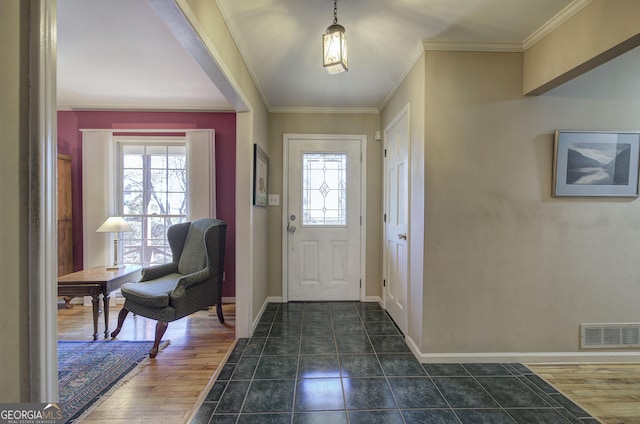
point(373, 299)
point(521, 357)
point(274, 299)
point(256, 320)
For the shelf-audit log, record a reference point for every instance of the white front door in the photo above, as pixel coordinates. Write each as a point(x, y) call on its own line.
point(323, 218)
point(396, 208)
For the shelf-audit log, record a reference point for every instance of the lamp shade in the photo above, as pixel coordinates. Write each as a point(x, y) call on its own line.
point(334, 50)
point(114, 224)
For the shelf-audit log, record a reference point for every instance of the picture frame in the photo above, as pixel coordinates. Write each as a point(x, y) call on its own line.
point(596, 163)
point(260, 176)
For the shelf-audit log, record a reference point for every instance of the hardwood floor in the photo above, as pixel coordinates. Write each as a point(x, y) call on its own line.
point(167, 389)
point(609, 392)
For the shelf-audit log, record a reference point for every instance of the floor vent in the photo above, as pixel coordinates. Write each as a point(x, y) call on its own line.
point(610, 335)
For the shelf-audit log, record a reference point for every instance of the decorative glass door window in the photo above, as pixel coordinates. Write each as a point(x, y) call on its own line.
point(324, 189)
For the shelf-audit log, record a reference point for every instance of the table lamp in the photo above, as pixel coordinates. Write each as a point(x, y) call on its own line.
point(114, 224)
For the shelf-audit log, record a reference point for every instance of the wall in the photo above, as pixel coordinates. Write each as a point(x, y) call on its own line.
point(251, 127)
point(412, 92)
point(14, 249)
point(508, 268)
point(598, 33)
point(70, 142)
point(305, 123)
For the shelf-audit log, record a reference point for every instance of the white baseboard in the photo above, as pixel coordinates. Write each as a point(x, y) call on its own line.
point(256, 320)
point(274, 299)
point(521, 357)
point(491, 357)
point(373, 299)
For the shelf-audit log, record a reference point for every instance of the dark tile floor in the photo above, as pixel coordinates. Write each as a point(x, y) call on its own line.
point(346, 362)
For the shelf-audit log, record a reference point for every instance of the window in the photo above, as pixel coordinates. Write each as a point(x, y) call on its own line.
point(103, 184)
point(153, 194)
point(324, 189)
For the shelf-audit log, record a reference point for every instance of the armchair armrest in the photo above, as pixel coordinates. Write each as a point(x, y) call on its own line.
point(194, 279)
point(153, 272)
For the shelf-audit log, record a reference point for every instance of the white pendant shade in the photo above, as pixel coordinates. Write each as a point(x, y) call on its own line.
point(334, 47)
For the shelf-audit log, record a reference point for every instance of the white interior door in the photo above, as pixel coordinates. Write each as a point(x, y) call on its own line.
point(396, 216)
point(323, 218)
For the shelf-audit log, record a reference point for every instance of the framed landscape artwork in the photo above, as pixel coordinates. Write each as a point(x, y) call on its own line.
point(596, 163)
point(260, 173)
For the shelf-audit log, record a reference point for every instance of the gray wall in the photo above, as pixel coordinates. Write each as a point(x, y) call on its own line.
point(508, 268)
point(14, 305)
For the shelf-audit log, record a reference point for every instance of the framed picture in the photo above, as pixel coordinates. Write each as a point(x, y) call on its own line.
point(260, 174)
point(596, 163)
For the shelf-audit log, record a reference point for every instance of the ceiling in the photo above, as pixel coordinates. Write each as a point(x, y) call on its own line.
point(119, 54)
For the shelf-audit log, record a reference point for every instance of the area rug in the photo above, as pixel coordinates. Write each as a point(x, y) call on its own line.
point(89, 370)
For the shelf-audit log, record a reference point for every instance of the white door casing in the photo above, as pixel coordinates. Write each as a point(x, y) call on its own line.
point(322, 254)
point(396, 218)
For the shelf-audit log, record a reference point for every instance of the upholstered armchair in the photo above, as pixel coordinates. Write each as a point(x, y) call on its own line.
point(192, 282)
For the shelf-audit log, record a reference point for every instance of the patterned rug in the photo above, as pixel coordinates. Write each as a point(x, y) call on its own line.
point(89, 370)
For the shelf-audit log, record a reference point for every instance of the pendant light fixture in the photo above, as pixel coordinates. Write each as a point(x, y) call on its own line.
point(334, 46)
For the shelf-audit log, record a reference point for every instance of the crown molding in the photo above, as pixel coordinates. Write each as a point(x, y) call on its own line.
point(436, 45)
point(143, 108)
point(409, 63)
point(237, 39)
point(454, 46)
point(552, 24)
point(341, 110)
point(424, 45)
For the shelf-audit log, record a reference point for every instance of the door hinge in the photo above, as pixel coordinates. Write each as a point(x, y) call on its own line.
point(361, 283)
point(384, 283)
point(385, 218)
point(385, 153)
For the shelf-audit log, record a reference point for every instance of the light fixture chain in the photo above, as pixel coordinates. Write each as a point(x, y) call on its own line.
point(335, 12)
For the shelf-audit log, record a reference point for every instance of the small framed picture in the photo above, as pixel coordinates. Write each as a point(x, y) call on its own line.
point(260, 175)
point(596, 163)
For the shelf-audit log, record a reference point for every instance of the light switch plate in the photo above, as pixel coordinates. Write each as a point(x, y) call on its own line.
point(274, 200)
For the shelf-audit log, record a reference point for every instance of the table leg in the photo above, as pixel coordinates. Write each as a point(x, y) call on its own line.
point(106, 315)
point(95, 299)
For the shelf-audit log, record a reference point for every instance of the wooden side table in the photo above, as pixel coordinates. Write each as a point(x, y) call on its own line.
point(94, 282)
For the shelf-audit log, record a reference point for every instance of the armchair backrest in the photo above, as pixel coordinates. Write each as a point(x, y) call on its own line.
point(192, 243)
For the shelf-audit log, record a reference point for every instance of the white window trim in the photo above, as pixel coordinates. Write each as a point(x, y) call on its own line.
point(100, 178)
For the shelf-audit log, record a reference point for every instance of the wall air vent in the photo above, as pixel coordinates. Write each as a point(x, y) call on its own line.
point(610, 335)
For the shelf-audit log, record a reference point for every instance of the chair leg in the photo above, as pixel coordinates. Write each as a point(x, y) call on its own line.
point(121, 317)
point(161, 327)
point(219, 312)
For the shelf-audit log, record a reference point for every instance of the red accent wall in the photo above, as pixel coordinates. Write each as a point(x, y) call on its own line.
point(70, 143)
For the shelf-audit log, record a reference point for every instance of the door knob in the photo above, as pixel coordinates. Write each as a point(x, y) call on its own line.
point(292, 229)
point(402, 236)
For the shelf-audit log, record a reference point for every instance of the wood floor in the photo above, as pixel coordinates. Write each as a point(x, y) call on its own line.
point(609, 392)
point(168, 389)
